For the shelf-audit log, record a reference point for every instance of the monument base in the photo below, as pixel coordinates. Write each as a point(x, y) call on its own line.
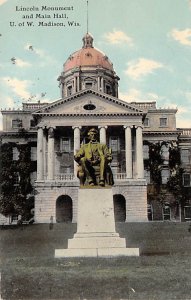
point(96, 235)
point(96, 252)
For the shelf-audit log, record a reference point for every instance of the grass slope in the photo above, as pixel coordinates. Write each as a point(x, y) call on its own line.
point(29, 270)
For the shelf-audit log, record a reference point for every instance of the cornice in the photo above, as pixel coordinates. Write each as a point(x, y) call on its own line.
point(19, 134)
point(162, 110)
point(162, 133)
point(89, 115)
point(14, 111)
point(87, 69)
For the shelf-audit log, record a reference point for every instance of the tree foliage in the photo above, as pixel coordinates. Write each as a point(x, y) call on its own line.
point(155, 164)
point(175, 182)
point(15, 196)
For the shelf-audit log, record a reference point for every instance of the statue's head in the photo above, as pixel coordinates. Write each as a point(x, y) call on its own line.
point(93, 134)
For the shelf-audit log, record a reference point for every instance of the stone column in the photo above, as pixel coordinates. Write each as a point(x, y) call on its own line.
point(64, 90)
point(116, 89)
point(51, 153)
point(139, 152)
point(98, 83)
point(128, 151)
point(40, 161)
point(74, 84)
point(102, 85)
point(102, 134)
point(78, 83)
point(45, 156)
point(76, 144)
point(61, 89)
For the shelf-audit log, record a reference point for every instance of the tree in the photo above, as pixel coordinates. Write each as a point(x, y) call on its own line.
point(174, 186)
point(16, 189)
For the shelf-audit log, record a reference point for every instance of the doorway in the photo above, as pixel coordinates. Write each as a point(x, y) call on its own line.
point(64, 209)
point(119, 208)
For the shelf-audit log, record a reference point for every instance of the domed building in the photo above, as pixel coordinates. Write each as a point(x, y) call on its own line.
point(55, 132)
point(89, 90)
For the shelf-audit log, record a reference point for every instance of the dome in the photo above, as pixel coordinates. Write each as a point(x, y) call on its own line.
point(88, 56)
point(88, 68)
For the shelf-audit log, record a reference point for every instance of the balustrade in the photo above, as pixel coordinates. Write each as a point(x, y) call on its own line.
point(186, 131)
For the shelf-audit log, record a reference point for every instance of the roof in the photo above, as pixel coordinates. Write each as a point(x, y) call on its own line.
point(88, 56)
point(103, 104)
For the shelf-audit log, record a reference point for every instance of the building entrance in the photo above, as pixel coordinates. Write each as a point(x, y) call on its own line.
point(64, 209)
point(119, 208)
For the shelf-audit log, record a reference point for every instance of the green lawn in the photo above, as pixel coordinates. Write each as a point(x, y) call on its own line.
point(163, 271)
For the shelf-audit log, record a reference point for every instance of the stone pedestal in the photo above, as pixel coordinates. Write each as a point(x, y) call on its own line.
point(96, 235)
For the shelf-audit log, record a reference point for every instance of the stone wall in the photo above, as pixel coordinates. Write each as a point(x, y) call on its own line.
point(134, 192)
point(45, 200)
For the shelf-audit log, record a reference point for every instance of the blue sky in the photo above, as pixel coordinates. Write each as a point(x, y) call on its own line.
point(148, 41)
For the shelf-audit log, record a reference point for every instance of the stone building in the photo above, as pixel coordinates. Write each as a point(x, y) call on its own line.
point(55, 131)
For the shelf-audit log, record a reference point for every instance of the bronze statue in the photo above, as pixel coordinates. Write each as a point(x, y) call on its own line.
point(93, 159)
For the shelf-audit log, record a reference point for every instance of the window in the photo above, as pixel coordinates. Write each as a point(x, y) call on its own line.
point(16, 124)
point(15, 153)
point(108, 90)
point(88, 85)
point(146, 122)
point(163, 122)
point(185, 155)
point(32, 123)
point(145, 152)
point(150, 212)
point(187, 212)
point(33, 153)
point(69, 90)
point(165, 175)
point(114, 143)
point(89, 106)
point(165, 153)
point(166, 212)
point(186, 179)
point(65, 144)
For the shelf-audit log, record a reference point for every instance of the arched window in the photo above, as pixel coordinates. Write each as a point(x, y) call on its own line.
point(119, 208)
point(64, 209)
point(69, 90)
point(108, 89)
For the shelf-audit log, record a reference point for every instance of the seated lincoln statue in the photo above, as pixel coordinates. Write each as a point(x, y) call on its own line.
point(93, 159)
